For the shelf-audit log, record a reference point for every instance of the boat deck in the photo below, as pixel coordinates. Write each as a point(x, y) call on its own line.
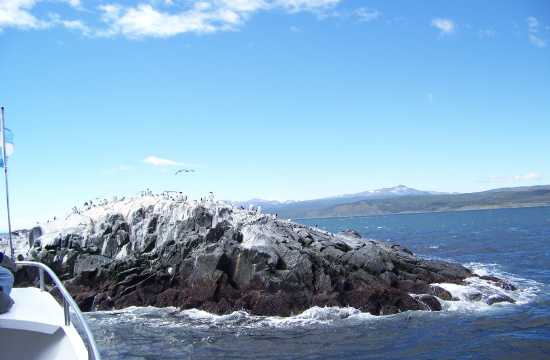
point(33, 310)
point(34, 329)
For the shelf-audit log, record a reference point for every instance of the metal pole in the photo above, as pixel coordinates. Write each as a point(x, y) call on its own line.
point(66, 312)
point(5, 158)
point(41, 272)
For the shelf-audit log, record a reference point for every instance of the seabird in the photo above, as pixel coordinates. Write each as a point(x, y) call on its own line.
point(184, 171)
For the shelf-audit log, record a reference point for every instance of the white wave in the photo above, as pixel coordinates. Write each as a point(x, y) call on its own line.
point(315, 316)
point(471, 297)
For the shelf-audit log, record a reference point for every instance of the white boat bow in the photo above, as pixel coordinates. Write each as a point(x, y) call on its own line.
point(37, 327)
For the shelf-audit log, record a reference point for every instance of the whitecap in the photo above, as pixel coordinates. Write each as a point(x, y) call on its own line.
point(471, 298)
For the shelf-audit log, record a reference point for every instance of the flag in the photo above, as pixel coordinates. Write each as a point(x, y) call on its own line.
point(8, 139)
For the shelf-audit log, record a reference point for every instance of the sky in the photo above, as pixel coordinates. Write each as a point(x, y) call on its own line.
point(273, 99)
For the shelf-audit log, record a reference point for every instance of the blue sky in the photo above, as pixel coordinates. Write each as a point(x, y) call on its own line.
point(278, 99)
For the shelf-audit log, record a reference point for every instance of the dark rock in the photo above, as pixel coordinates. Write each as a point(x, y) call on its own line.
point(474, 296)
point(430, 301)
point(452, 272)
point(495, 299)
point(225, 259)
point(34, 234)
point(86, 262)
point(499, 282)
point(389, 278)
point(110, 246)
point(441, 293)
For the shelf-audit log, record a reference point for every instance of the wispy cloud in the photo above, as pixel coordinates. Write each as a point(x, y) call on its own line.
point(530, 176)
point(367, 15)
point(160, 19)
point(533, 32)
point(157, 161)
point(77, 25)
point(430, 97)
point(75, 3)
point(487, 33)
point(119, 169)
point(125, 168)
point(445, 26)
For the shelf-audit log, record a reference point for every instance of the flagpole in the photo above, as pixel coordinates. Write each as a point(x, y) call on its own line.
point(5, 158)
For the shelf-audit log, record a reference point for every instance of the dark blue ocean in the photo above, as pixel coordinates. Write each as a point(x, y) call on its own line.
point(511, 243)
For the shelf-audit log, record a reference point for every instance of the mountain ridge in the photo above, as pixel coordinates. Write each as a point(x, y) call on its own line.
point(387, 192)
point(401, 199)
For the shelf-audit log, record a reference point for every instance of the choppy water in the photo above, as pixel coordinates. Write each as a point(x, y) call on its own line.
point(510, 243)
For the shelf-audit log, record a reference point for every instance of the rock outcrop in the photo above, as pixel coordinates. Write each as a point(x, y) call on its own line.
point(164, 251)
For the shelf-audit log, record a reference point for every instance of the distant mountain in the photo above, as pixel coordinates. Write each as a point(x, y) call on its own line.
point(415, 201)
point(265, 204)
point(399, 190)
point(402, 199)
point(296, 209)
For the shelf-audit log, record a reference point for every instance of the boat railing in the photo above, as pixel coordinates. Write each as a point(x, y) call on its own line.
point(68, 304)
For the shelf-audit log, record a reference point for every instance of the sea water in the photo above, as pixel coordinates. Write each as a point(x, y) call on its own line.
point(513, 244)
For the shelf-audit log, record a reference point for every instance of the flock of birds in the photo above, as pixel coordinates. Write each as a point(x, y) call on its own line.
point(102, 202)
point(171, 195)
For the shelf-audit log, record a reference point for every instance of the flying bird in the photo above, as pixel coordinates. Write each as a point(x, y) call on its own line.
point(181, 171)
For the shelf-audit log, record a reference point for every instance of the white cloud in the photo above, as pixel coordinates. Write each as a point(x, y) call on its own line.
point(532, 24)
point(157, 161)
point(301, 5)
point(530, 176)
point(206, 16)
point(144, 20)
point(75, 3)
point(537, 41)
point(445, 26)
point(366, 14)
point(532, 32)
point(16, 13)
point(155, 18)
point(245, 5)
point(76, 25)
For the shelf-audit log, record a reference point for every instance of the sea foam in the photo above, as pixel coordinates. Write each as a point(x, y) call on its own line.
point(466, 303)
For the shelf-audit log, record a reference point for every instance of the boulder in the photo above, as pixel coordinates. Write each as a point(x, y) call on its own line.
point(430, 302)
point(499, 298)
point(499, 282)
point(85, 262)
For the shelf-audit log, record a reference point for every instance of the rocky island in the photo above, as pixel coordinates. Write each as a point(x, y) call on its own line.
point(164, 250)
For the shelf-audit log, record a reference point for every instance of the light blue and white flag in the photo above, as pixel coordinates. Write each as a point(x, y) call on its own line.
point(9, 146)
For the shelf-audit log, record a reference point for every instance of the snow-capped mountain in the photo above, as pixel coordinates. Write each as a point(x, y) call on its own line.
point(399, 190)
point(296, 208)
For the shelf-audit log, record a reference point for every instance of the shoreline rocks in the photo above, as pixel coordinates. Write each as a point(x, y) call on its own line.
point(211, 256)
